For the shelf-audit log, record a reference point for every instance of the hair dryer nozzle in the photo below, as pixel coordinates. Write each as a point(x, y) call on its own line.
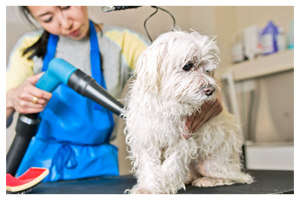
point(88, 87)
point(60, 71)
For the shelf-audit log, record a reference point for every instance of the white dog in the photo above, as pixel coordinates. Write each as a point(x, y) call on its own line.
point(174, 77)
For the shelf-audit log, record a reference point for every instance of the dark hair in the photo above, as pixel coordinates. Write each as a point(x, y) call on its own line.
point(39, 48)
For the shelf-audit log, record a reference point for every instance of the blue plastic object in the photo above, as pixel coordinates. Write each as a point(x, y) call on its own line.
point(269, 39)
point(58, 72)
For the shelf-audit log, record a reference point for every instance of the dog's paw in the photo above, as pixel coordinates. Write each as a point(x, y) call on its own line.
point(137, 191)
point(211, 182)
point(189, 178)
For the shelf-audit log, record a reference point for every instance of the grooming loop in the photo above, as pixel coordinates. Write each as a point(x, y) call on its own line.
point(117, 8)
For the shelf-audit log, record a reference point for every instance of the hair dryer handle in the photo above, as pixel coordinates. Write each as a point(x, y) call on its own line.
point(58, 72)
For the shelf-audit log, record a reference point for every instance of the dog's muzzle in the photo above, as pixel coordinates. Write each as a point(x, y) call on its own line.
point(208, 89)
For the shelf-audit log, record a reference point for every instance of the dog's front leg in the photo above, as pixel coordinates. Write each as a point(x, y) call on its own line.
point(147, 166)
point(157, 176)
point(175, 167)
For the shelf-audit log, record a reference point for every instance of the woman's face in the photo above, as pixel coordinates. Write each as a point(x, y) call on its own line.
point(69, 21)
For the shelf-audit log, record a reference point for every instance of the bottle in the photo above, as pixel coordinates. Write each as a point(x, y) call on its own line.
point(291, 35)
point(281, 39)
point(269, 39)
point(251, 41)
point(238, 49)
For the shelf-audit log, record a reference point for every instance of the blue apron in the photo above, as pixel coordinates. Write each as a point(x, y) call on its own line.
point(73, 137)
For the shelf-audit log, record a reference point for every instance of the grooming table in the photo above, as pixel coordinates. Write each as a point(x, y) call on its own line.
point(266, 182)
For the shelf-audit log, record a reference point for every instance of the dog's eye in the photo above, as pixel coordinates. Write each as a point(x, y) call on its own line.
point(188, 66)
point(210, 73)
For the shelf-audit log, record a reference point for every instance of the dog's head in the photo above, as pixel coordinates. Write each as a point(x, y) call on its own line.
point(178, 69)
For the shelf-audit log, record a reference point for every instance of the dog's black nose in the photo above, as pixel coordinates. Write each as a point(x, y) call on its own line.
point(209, 90)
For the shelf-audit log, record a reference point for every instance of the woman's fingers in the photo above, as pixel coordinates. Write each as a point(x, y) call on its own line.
point(208, 116)
point(42, 96)
point(36, 92)
point(27, 98)
point(208, 111)
point(34, 95)
point(30, 98)
point(196, 118)
point(33, 79)
point(27, 107)
point(188, 123)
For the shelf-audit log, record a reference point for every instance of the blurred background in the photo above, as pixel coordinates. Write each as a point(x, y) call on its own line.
point(256, 69)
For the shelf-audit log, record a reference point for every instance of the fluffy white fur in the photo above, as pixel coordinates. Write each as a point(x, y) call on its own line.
point(157, 105)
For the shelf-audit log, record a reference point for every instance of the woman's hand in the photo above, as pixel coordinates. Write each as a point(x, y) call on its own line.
point(27, 98)
point(208, 111)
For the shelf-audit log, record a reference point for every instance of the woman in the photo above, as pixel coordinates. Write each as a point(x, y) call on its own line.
point(73, 137)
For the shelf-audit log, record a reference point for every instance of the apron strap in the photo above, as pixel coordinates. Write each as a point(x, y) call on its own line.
point(96, 61)
point(51, 49)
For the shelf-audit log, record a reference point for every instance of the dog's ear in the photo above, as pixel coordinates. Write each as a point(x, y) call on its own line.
point(148, 68)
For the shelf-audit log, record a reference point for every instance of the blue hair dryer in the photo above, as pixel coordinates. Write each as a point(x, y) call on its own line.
point(59, 71)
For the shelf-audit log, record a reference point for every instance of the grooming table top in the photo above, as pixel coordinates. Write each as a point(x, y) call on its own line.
point(266, 182)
